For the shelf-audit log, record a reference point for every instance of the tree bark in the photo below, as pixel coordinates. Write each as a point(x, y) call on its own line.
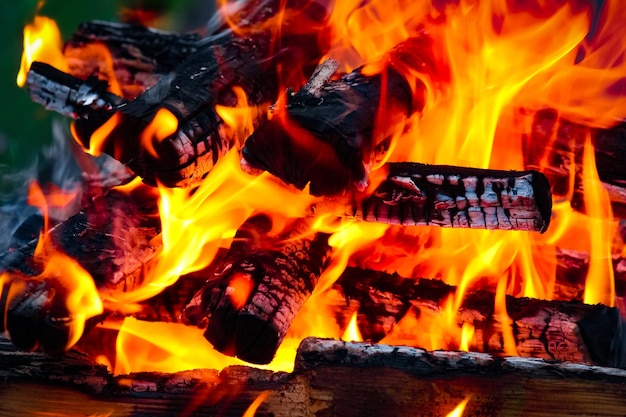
point(258, 288)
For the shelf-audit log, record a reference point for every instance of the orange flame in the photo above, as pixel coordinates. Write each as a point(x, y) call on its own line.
point(251, 411)
point(163, 125)
point(42, 42)
point(501, 56)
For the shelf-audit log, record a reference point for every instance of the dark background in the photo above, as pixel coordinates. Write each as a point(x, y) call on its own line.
point(25, 127)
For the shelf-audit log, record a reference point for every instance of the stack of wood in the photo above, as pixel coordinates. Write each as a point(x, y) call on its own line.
point(303, 143)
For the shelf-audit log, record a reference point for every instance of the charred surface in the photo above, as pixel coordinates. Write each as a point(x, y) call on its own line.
point(561, 330)
point(328, 380)
point(258, 288)
point(330, 139)
point(555, 146)
point(434, 195)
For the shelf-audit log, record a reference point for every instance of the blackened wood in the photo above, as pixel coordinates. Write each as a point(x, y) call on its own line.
point(554, 146)
point(110, 238)
point(330, 139)
point(206, 78)
point(66, 94)
point(140, 56)
point(561, 330)
point(280, 273)
point(425, 195)
point(329, 379)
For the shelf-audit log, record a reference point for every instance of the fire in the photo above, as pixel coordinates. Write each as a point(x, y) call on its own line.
point(459, 409)
point(352, 333)
point(251, 411)
point(42, 42)
point(501, 56)
point(163, 125)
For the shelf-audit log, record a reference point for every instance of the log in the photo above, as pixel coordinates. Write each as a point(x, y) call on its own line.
point(554, 146)
point(115, 232)
point(197, 135)
point(330, 378)
point(414, 194)
point(264, 279)
point(131, 57)
point(330, 138)
point(554, 330)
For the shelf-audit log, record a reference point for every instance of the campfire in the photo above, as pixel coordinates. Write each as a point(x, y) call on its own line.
point(422, 196)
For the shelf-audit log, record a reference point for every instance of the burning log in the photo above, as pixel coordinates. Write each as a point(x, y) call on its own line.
point(258, 288)
point(417, 194)
point(561, 330)
point(330, 137)
point(130, 57)
point(400, 380)
point(555, 146)
point(196, 135)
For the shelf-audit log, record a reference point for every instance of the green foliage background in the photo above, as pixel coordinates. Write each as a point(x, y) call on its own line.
point(25, 127)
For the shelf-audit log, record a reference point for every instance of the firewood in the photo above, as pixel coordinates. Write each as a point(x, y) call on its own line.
point(330, 378)
point(110, 238)
point(139, 56)
point(554, 146)
point(329, 139)
point(414, 194)
point(258, 288)
point(561, 330)
point(250, 61)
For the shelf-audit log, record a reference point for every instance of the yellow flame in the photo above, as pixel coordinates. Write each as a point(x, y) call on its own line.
point(42, 42)
point(600, 283)
point(467, 334)
point(352, 332)
point(459, 409)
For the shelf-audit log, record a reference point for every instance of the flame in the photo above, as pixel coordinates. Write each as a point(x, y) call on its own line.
point(600, 284)
point(500, 56)
point(163, 125)
point(459, 409)
point(239, 289)
point(42, 42)
point(238, 119)
point(352, 333)
point(80, 296)
point(251, 411)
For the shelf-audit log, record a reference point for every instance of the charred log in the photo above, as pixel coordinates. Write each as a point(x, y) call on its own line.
point(69, 95)
point(561, 330)
point(328, 380)
point(258, 288)
point(110, 238)
point(426, 195)
point(129, 55)
point(555, 146)
point(204, 79)
point(331, 137)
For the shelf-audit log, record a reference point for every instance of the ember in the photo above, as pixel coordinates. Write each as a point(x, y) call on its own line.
point(297, 158)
